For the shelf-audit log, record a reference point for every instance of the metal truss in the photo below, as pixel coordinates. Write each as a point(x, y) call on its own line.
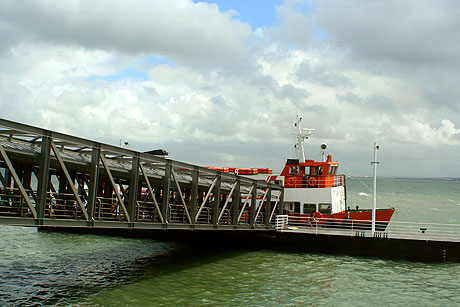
point(53, 179)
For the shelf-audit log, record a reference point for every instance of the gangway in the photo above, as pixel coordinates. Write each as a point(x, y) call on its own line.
point(51, 179)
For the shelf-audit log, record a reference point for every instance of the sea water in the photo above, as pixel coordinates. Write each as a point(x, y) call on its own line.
point(46, 268)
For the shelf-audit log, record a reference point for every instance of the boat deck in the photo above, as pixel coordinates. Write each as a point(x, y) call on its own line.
point(394, 230)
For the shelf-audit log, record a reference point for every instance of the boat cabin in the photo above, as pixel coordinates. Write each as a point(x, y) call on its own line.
point(310, 174)
point(313, 186)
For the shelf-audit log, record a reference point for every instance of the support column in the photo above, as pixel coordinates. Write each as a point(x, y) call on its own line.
point(216, 205)
point(93, 180)
point(236, 202)
point(194, 194)
point(43, 175)
point(268, 206)
point(133, 187)
point(253, 204)
point(166, 191)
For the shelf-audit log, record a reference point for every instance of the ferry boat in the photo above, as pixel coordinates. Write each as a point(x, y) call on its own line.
point(315, 191)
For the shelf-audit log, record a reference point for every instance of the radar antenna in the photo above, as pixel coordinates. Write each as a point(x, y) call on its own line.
point(301, 135)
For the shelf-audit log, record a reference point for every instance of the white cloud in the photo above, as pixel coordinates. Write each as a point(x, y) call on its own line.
point(192, 33)
point(223, 100)
point(410, 32)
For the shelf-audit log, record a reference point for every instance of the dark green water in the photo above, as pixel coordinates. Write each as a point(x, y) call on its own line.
point(41, 268)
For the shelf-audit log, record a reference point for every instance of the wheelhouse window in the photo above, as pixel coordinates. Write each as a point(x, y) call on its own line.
point(325, 208)
point(309, 208)
point(318, 171)
point(294, 170)
point(332, 169)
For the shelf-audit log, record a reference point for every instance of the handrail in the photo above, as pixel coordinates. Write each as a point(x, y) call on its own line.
point(391, 230)
point(315, 181)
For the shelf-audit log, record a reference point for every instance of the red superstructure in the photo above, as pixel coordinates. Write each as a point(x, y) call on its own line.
point(311, 174)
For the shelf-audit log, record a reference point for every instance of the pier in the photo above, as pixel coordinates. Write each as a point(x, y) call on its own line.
point(50, 179)
point(60, 182)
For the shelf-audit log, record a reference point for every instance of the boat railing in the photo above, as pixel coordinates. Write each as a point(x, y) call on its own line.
point(316, 182)
point(363, 228)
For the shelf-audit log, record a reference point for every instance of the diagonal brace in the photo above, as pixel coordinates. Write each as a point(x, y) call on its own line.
point(261, 204)
point(226, 202)
point(206, 198)
point(18, 182)
point(245, 203)
point(181, 196)
point(276, 203)
point(120, 200)
point(69, 181)
point(151, 193)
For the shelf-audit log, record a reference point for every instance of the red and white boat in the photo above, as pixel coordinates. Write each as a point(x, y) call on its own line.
point(313, 190)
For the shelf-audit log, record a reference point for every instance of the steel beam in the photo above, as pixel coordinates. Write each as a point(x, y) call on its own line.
point(205, 199)
point(264, 199)
point(278, 203)
point(93, 180)
point(236, 201)
point(43, 174)
point(268, 205)
point(120, 200)
point(69, 181)
point(152, 194)
point(166, 191)
point(226, 202)
point(133, 186)
point(245, 203)
point(179, 191)
point(18, 182)
point(252, 214)
point(216, 205)
point(194, 193)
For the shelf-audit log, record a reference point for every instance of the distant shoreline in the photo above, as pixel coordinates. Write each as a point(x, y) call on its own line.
point(410, 178)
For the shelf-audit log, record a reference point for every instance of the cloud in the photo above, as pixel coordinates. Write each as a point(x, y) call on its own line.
point(395, 32)
point(192, 33)
point(214, 93)
point(321, 75)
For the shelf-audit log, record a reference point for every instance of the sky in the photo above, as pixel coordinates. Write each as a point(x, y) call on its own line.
point(219, 83)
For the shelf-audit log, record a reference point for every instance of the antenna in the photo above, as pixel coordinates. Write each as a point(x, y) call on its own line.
point(301, 134)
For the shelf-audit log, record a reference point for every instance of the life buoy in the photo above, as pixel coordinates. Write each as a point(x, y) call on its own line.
point(290, 181)
point(312, 181)
point(317, 216)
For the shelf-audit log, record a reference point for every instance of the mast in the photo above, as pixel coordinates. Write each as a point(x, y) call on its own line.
point(374, 204)
point(301, 134)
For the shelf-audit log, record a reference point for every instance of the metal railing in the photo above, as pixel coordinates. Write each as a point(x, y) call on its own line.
point(315, 182)
point(12, 202)
point(362, 228)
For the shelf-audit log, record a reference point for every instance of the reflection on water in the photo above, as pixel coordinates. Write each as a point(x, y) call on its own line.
point(57, 267)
